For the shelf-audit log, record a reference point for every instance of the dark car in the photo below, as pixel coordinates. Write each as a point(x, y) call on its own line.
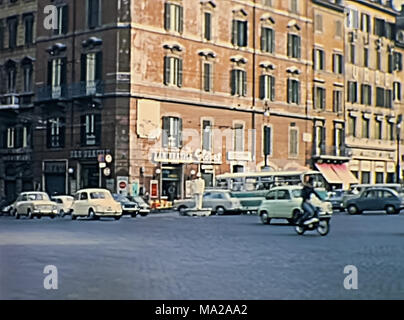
point(128, 207)
point(336, 198)
point(144, 208)
point(376, 199)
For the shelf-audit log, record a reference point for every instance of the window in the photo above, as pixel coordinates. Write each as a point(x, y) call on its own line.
point(365, 177)
point(12, 32)
point(283, 195)
point(319, 59)
point(238, 137)
point(62, 23)
point(339, 139)
point(27, 70)
point(390, 130)
point(366, 57)
point(29, 28)
point(207, 77)
point(352, 54)
point(267, 40)
point(397, 91)
point(267, 140)
point(55, 133)
point(294, 46)
point(57, 76)
point(83, 196)
point(318, 22)
point(378, 60)
point(366, 128)
point(293, 142)
point(207, 135)
point(93, 13)
point(173, 17)
point(270, 195)
point(379, 27)
point(319, 139)
point(338, 29)
point(352, 126)
point(294, 6)
point(352, 19)
point(91, 130)
point(352, 92)
point(267, 87)
point(173, 71)
point(319, 97)
point(398, 64)
point(11, 78)
point(10, 138)
point(338, 63)
point(384, 97)
point(337, 101)
point(267, 3)
point(172, 132)
point(91, 70)
point(240, 33)
point(365, 22)
point(293, 95)
point(366, 94)
point(208, 26)
point(378, 130)
point(238, 82)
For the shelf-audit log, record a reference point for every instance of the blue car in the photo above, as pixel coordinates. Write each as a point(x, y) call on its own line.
point(128, 207)
point(376, 199)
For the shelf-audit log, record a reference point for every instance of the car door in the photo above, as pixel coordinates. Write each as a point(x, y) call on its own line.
point(367, 201)
point(283, 201)
point(388, 198)
point(20, 203)
point(268, 203)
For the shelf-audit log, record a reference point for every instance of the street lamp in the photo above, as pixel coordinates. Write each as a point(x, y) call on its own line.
point(398, 127)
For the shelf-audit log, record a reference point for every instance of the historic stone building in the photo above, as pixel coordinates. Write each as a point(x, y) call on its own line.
point(17, 58)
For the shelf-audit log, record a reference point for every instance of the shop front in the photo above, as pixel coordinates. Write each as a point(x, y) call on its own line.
point(55, 177)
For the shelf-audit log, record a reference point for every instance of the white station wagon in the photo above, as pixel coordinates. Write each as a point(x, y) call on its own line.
point(95, 203)
point(285, 203)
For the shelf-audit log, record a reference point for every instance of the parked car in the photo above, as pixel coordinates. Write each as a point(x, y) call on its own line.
point(64, 204)
point(336, 199)
point(220, 201)
point(376, 199)
point(6, 207)
point(285, 203)
point(128, 207)
point(95, 203)
point(144, 207)
point(34, 204)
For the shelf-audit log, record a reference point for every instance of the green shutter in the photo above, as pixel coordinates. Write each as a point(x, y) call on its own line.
point(98, 66)
point(244, 75)
point(83, 68)
point(262, 87)
point(181, 22)
point(180, 73)
point(233, 82)
point(166, 70)
point(167, 19)
point(272, 93)
point(165, 131)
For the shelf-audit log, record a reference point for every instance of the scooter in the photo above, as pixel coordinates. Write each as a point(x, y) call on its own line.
point(322, 225)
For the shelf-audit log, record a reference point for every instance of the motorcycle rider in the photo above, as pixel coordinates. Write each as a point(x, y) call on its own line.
point(308, 209)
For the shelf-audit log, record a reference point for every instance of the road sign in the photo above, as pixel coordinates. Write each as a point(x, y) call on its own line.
point(107, 172)
point(108, 158)
point(101, 158)
point(102, 165)
point(122, 185)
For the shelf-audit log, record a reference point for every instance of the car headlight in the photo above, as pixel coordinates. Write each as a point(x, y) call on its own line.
point(54, 207)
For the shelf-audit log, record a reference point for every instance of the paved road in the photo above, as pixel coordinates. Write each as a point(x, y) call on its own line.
point(165, 256)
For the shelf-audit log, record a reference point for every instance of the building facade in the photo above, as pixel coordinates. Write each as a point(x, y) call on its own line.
point(373, 89)
point(17, 69)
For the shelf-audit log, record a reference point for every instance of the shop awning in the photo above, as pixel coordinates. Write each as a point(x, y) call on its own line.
point(344, 174)
point(328, 173)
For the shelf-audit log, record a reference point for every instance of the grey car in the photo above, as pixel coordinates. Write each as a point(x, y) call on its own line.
point(220, 201)
point(336, 199)
point(376, 199)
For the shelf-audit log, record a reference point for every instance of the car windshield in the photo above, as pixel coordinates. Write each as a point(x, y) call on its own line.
point(120, 198)
point(98, 195)
point(297, 193)
point(37, 196)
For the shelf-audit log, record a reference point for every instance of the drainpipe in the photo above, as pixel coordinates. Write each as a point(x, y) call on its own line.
point(253, 124)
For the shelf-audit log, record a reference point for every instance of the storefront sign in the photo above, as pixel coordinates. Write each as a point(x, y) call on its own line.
point(87, 154)
point(55, 167)
point(238, 156)
point(199, 156)
point(16, 158)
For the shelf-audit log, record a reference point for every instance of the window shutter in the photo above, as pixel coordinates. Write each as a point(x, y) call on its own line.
point(98, 129)
point(315, 97)
point(245, 34)
point(48, 133)
point(98, 66)
point(83, 68)
point(65, 19)
point(314, 59)
point(272, 33)
point(166, 70)
point(298, 55)
point(263, 39)
point(233, 82)
point(207, 26)
point(83, 130)
point(164, 133)
point(63, 76)
point(289, 45)
point(50, 65)
point(234, 32)
point(298, 92)
point(262, 87)
point(181, 17)
point(272, 93)
point(323, 137)
point(244, 75)
point(267, 141)
point(180, 73)
point(179, 144)
point(323, 99)
point(167, 16)
point(289, 89)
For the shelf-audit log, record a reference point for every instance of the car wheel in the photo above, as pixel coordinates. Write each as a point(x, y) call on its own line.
point(352, 209)
point(38, 217)
point(265, 218)
point(220, 211)
point(73, 217)
point(181, 210)
point(133, 215)
point(117, 218)
point(17, 215)
point(91, 215)
point(391, 210)
point(62, 213)
point(144, 214)
point(30, 215)
point(52, 216)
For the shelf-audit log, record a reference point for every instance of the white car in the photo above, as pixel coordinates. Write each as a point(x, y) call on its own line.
point(95, 203)
point(64, 204)
point(34, 204)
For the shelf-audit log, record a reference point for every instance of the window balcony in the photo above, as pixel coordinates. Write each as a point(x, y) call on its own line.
point(10, 101)
point(332, 152)
point(51, 93)
point(87, 89)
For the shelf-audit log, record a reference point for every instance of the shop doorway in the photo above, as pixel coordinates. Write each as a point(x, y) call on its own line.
point(11, 190)
point(171, 182)
point(89, 176)
point(55, 184)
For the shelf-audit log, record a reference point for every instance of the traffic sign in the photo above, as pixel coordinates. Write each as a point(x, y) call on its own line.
point(107, 172)
point(108, 158)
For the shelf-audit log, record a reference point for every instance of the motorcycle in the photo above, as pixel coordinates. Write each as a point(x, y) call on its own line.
point(322, 225)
